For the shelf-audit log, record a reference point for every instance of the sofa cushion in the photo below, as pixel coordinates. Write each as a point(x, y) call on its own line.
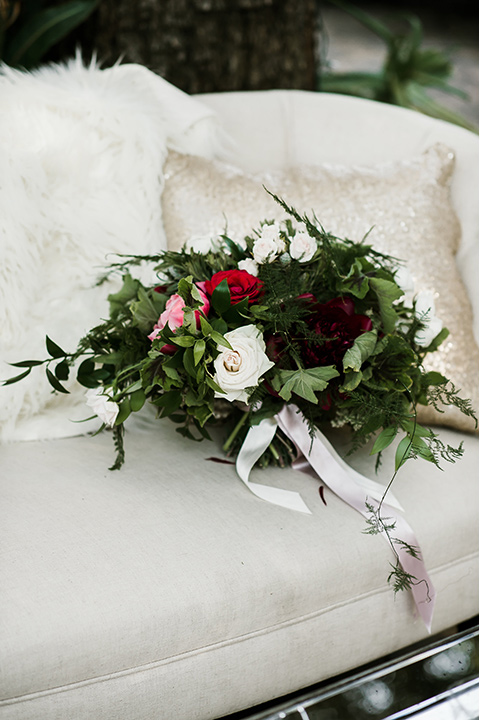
point(169, 590)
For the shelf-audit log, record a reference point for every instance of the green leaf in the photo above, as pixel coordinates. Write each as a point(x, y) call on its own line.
point(386, 291)
point(86, 367)
point(183, 340)
point(367, 20)
point(17, 378)
point(438, 340)
point(352, 380)
point(185, 288)
point(169, 401)
point(220, 340)
point(127, 292)
point(361, 349)
point(124, 412)
point(27, 363)
point(137, 400)
point(306, 382)
point(198, 350)
point(202, 414)
point(220, 298)
point(62, 370)
point(237, 313)
point(355, 281)
point(55, 383)
point(171, 372)
point(44, 29)
point(188, 362)
point(147, 309)
point(403, 452)
point(433, 378)
point(386, 437)
point(53, 349)
point(205, 326)
point(211, 383)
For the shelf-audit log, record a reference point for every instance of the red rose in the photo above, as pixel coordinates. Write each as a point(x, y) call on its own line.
point(240, 283)
point(337, 322)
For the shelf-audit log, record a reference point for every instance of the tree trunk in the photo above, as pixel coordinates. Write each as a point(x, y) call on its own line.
point(208, 45)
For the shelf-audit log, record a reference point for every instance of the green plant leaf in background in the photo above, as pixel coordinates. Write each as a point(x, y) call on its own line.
point(407, 72)
point(39, 29)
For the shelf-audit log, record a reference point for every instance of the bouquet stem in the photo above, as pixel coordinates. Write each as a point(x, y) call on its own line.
point(235, 431)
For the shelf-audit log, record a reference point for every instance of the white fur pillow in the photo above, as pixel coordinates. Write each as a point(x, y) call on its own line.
point(81, 157)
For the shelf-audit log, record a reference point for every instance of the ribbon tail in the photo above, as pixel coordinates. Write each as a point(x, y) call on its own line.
point(373, 489)
point(256, 442)
point(339, 479)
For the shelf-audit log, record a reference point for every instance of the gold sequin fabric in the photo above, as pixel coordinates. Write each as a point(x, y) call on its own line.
point(405, 207)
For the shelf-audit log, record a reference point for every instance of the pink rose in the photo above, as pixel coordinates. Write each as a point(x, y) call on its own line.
point(173, 314)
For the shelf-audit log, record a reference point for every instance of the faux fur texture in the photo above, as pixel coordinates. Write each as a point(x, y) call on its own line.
point(81, 158)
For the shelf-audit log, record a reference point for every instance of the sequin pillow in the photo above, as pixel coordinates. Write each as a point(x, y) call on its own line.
point(406, 206)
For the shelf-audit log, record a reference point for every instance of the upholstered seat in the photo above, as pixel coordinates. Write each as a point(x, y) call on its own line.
point(167, 589)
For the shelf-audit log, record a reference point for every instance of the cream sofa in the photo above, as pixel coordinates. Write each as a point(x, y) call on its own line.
point(167, 590)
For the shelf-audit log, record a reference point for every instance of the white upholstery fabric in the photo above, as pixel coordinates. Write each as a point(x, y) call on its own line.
point(167, 590)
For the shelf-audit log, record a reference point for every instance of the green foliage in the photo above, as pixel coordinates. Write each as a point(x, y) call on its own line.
point(304, 383)
point(28, 30)
point(372, 384)
point(408, 70)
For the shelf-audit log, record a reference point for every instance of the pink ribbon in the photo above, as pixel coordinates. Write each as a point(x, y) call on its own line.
point(337, 477)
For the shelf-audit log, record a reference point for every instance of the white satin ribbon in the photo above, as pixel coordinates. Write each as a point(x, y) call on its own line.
point(257, 441)
point(351, 486)
point(338, 479)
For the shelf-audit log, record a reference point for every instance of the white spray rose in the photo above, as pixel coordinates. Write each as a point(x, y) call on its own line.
point(242, 366)
point(249, 265)
point(425, 310)
point(102, 405)
point(303, 247)
point(268, 245)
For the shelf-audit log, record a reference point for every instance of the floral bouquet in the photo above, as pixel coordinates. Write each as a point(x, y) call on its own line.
point(274, 338)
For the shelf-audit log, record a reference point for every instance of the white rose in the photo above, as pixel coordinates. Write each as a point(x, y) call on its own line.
point(249, 265)
point(303, 247)
point(102, 405)
point(268, 245)
point(242, 366)
point(425, 311)
point(404, 280)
